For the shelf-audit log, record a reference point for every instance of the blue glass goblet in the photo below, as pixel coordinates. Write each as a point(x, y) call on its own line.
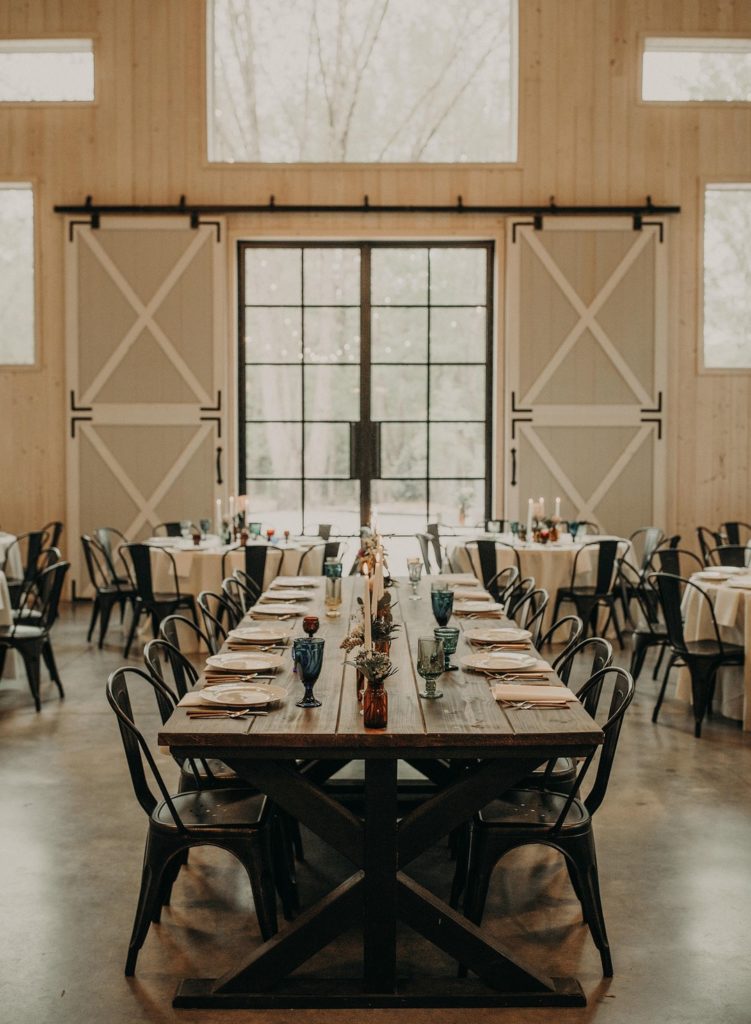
point(443, 605)
point(573, 529)
point(307, 653)
point(450, 637)
point(332, 568)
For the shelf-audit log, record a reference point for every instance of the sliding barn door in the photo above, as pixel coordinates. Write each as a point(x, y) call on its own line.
point(146, 356)
point(585, 372)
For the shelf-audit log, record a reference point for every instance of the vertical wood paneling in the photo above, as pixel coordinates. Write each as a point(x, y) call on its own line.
point(584, 137)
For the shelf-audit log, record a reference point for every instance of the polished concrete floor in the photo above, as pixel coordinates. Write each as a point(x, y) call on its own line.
point(674, 847)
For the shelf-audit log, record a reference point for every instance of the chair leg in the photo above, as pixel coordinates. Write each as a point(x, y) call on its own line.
point(94, 616)
point(656, 669)
point(283, 863)
point(641, 646)
point(154, 859)
point(702, 686)
point(255, 853)
point(3, 652)
point(104, 621)
point(31, 654)
point(133, 628)
point(580, 853)
point(463, 840)
point(49, 661)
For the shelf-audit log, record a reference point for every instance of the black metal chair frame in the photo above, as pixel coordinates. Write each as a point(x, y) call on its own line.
point(732, 531)
point(528, 613)
point(178, 823)
point(108, 592)
point(575, 629)
point(589, 598)
point(730, 554)
point(701, 657)
point(148, 602)
point(564, 822)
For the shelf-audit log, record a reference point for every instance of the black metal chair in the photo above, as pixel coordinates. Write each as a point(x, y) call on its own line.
point(235, 820)
point(570, 661)
point(569, 629)
point(255, 559)
point(528, 613)
point(238, 594)
point(701, 657)
point(29, 546)
point(107, 592)
point(603, 593)
point(736, 532)
point(172, 529)
point(111, 540)
point(434, 532)
point(32, 640)
point(251, 590)
point(649, 630)
point(219, 616)
point(156, 604)
point(175, 628)
point(729, 554)
point(331, 549)
point(708, 539)
point(676, 561)
point(517, 593)
point(487, 553)
point(54, 531)
point(424, 540)
point(561, 820)
point(503, 583)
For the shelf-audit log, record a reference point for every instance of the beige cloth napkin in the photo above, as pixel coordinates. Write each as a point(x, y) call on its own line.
point(554, 696)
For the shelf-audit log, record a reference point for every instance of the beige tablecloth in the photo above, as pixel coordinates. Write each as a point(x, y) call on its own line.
point(732, 606)
point(14, 567)
point(12, 661)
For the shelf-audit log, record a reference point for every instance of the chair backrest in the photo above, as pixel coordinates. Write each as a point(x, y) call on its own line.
point(54, 531)
point(136, 748)
point(140, 558)
point(736, 532)
point(621, 696)
point(214, 609)
point(595, 647)
point(518, 592)
point(528, 612)
point(331, 549)
point(255, 563)
point(237, 594)
point(424, 541)
point(676, 561)
point(433, 529)
point(567, 630)
point(503, 583)
point(670, 589)
point(435, 542)
point(96, 563)
point(644, 542)
point(30, 546)
point(708, 539)
point(324, 530)
point(607, 552)
point(173, 626)
point(172, 529)
point(43, 594)
point(159, 655)
point(495, 525)
point(729, 554)
point(110, 539)
point(251, 587)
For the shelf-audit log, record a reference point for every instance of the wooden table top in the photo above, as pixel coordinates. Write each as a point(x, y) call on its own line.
point(465, 722)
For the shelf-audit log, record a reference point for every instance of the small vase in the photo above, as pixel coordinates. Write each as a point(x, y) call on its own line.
point(360, 685)
point(375, 705)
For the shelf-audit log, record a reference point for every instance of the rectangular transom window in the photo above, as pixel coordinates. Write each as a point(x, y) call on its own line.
point(369, 81)
point(16, 274)
point(727, 276)
point(46, 70)
point(691, 70)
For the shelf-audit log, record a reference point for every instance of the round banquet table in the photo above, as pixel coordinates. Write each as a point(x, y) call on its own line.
point(551, 565)
point(731, 599)
point(200, 568)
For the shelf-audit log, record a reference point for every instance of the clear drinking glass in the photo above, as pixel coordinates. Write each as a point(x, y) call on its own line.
point(431, 658)
point(450, 637)
point(333, 597)
point(414, 568)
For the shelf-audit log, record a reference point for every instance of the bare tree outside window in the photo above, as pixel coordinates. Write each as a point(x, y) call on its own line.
point(46, 70)
point(727, 276)
point(16, 275)
point(362, 81)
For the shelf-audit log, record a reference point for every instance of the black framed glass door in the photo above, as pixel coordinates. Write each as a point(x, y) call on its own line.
point(365, 383)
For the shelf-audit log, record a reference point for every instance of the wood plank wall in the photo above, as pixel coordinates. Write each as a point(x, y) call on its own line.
point(584, 137)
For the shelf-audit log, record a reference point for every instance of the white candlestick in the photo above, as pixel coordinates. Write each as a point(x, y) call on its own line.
point(378, 588)
point(542, 508)
point(218, 518)
point(557, 508)
point(367, 625)
point(231, 510)
point(530, 506)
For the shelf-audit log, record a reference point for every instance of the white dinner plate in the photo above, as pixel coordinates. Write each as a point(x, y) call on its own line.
point(497, 635)
point(293, 581)
point(499, 661)
point(286, 595)
point(477, 608)
point(741, 583)
point(259, 634)
point(243, 695)
point(240, 661)
point(464, 579)
point(277, 608)
point(471, 594)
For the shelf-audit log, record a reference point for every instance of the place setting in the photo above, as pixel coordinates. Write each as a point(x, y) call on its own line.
point(499, 637)
point(507, 665)
point(236, 685)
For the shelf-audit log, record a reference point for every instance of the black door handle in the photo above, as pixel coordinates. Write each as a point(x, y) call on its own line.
point(513, 467)
point(219, 465)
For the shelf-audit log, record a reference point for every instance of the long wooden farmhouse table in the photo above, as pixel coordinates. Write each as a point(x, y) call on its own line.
point(470, 747)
